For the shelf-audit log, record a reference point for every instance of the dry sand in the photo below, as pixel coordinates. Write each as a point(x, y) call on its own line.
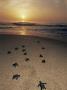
point(30, 67)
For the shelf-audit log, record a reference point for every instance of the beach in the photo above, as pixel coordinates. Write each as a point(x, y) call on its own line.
point(34, 59)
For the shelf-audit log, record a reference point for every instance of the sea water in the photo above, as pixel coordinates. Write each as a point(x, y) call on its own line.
point(48, 31)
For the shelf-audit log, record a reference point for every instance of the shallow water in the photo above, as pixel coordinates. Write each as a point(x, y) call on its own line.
point(54, 32)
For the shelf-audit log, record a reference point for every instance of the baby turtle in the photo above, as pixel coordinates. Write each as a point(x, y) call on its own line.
point(43, 61)
point(9, 52)
point(23, 46)
point(23, 50)
point(16, 76)
point(42, 85)
point(43, 48)
point(15, 64)
point(41, 55)
point(16, 48)
point(27, 59)
point(25, 53)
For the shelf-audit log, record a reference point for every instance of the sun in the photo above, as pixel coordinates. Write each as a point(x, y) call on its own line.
point(23, 17)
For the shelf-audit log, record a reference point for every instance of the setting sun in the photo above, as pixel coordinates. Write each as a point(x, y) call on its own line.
point(23, 17)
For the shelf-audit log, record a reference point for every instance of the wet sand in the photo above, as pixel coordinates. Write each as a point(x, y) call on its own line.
point(32, 59)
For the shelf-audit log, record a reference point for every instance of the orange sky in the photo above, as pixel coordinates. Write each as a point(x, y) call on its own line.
point(40, 11)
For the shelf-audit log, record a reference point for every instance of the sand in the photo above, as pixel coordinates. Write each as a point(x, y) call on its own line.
point(45, 60)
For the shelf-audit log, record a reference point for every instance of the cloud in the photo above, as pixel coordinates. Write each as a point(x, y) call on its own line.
point(33, 3)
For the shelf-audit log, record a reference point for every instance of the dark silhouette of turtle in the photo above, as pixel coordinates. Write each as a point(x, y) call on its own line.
point(43, 48)
point(9, 52)
point(43, 61)
point(23, 46)
point(41, 55)
point(42, 85)
point(23, 50)
point(15, 64)
point(27, 59)
point(25, 53)
point(16, 76)
point(16, 48)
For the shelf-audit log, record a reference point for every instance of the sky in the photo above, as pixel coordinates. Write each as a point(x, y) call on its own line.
point(39, 11)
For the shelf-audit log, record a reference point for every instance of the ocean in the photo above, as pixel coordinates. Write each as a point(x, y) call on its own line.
point(48, 31)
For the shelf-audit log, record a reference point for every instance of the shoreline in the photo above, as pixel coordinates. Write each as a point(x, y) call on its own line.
point(46, 38)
